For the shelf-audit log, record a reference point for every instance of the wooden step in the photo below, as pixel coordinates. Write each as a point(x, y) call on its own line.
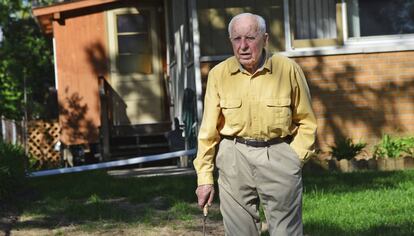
point(133, 146)
point(141, 129)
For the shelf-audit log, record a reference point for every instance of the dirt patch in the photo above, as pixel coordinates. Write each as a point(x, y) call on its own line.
point(8, 217)
point(18, 225)
point(180, 228)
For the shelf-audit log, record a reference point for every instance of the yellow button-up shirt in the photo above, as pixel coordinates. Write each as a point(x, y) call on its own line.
point(272, 102)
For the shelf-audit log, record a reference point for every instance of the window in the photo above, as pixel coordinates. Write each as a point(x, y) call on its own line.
point(214, 16)
point(315, 23)
point(304, 27)
point(380, 17)
point(134, 43)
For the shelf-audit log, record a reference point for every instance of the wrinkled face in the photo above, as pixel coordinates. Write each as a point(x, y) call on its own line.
point(247, 42)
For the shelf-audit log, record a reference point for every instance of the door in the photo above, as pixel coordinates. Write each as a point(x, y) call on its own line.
point(136, 66)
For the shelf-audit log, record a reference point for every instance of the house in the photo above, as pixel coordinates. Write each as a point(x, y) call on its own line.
point(124, 66)
point(114, 75)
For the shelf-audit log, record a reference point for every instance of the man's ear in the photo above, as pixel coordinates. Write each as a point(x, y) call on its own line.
point(265, 39)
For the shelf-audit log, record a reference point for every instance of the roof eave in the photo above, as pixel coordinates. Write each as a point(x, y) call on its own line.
point(45, 15)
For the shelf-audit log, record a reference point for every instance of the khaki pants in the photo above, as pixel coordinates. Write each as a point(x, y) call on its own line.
point(248, 176)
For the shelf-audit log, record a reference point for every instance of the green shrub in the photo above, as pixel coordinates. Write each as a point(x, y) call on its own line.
point(12, 170)
point(346, 149)
point(394, 147)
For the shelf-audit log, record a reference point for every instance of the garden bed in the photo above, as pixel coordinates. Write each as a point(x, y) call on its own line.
point(383, 164)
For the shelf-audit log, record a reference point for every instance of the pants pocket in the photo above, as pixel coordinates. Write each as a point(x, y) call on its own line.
point(282, 177)
point(225, 158)
point(293, 155)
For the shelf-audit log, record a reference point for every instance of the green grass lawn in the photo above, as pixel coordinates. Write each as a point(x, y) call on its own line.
point(365, 203)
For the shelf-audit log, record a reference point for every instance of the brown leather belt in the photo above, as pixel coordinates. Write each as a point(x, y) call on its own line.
point(255, 142)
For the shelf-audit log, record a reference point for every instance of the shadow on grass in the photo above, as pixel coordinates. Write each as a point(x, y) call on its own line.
point(84, 185)
point(93, 198)
point(85, 198)
point(335, 182)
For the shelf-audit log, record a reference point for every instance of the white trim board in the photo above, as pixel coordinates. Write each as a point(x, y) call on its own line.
point(131, 161)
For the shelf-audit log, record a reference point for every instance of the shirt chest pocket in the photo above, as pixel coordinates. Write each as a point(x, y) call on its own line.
point(278, 112)
point(231, 109)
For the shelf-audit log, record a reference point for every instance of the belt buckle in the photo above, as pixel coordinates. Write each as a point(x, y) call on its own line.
point(255, 142)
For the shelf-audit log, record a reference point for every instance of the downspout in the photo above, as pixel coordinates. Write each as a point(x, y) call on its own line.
point(55, 65)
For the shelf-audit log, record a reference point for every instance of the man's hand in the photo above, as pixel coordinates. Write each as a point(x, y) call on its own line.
point(205, 194)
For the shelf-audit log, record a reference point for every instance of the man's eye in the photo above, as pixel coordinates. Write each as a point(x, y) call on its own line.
point(250, 38)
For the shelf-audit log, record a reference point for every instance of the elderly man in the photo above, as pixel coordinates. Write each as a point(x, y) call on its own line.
point(258, 128)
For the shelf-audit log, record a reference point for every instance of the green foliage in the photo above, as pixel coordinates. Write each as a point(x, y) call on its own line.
point(11, 169)
point(346, 149)
point(26, 61)
point(394, 147)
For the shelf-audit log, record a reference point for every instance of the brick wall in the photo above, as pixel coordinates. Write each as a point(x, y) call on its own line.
point(361, 96)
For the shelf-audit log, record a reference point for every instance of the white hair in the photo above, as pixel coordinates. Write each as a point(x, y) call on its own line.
point(261, 24)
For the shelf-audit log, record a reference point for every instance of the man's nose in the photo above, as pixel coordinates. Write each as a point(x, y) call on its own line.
point(243, 44)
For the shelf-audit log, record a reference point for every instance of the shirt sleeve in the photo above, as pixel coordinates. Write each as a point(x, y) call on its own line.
point(303, 117)
point(208, 136)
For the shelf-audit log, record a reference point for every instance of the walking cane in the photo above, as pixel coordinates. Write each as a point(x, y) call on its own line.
point(205, 213)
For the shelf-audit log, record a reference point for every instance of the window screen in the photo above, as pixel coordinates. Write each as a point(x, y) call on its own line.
point(314, 19)
point(380, 17)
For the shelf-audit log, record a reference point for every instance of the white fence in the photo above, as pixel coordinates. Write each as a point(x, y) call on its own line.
point(11, 131)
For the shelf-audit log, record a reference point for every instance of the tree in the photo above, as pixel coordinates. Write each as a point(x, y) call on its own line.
point(25, 62)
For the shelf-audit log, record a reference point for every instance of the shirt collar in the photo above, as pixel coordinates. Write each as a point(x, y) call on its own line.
point(236, 67)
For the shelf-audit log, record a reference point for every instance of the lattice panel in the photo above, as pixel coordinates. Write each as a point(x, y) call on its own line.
point(43, 136)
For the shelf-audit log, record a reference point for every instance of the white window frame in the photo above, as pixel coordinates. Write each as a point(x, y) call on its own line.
point(366, 44)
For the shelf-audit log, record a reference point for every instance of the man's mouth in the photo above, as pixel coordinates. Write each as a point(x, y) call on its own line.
point(245, 55)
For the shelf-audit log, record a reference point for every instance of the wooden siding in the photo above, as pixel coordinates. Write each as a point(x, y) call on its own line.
point(81, 56)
